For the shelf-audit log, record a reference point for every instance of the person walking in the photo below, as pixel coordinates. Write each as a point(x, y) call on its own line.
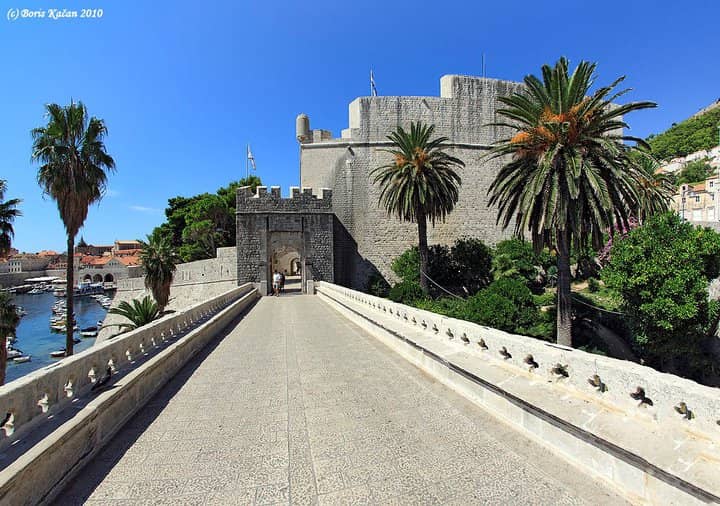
point(282, 281)
point(276, 284)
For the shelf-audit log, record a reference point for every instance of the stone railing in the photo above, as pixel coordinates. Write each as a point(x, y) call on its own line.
point(639, 419)
point(38, 395)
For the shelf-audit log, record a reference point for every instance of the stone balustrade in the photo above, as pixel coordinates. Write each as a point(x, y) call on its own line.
point(33, 398)
point(654, 436)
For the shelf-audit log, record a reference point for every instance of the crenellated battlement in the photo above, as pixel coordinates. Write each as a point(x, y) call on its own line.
point(300, 200)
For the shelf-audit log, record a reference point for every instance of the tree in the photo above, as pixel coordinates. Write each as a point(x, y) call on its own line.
point(8, 213)
point(515, 258)
point(9, 320)
point(73, 169)
point(662, 271)
point(656, 188)
point(689, 136)
point(463, 268)
point(472, 262)
point(195, 240)
point(695, 172)
point(420, 183)
point(570, 178)
point(139, 312)
point(159, 260)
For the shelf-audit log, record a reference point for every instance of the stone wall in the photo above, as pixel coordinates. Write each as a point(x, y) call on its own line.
point(366, 239)
point(194, 282)
point(57, 417)
point(652, 436)
point(8, 279)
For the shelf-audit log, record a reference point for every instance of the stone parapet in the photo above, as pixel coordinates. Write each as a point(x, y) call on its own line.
point(57, 418)
point(655, 437)
point(300, 201)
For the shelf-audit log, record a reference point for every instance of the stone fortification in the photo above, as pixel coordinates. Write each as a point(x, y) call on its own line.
point(270, 227)
point(193, 283)
point(366, 239)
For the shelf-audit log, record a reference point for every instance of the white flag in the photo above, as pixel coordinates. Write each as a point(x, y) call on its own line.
point(373, 89)
point(250, 157)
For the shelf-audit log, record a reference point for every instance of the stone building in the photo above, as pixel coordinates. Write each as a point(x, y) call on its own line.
point(364, 239)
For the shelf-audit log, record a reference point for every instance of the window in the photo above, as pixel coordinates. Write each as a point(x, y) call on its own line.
point(697, 198)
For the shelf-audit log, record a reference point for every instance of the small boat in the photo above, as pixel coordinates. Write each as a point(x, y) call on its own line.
point(12, 353)
point(35, 291)
point(89, 332)
point(58, 354)
point(22, 359)
point(77, 340)
point(20, 311)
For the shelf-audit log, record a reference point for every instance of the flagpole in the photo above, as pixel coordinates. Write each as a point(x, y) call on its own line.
point(247, 161)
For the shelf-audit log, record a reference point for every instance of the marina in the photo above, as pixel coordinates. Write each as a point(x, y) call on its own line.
point(41, 330)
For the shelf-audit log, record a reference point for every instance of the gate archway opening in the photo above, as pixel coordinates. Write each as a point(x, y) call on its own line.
point(286, 248)
point(109, 278)
point(97, 278)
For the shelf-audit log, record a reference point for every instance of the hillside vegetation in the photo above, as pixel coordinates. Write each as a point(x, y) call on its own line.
point(691, 135)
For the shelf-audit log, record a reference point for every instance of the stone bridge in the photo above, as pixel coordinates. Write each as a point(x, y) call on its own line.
point(344, 398)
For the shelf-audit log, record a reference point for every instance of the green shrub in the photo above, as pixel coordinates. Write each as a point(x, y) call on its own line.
point(464, 268)
point(593, 285)
point(472, 263)
point(377, 286)
point(406, 292)
point(407, 265)
point(662, 271)
point(545, 299)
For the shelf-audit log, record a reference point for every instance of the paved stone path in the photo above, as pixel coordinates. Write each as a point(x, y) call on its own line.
point(298, 405)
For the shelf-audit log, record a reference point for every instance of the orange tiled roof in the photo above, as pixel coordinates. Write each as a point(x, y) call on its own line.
point(129, 260)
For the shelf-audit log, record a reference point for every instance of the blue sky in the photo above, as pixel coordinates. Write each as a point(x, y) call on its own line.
point(184, 85)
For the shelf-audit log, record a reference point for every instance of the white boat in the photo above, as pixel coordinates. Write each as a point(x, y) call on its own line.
point(89, 332)
point(59, 292)
point(35, 291)
point(22, 359)
point(12, 353)
point(58, 354)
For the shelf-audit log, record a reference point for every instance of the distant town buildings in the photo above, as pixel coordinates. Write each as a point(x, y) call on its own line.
point(697, 202)
point(93, 263)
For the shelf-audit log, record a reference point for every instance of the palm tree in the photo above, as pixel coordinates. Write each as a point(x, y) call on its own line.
point(420, 183)
point(8, 213)
point(159, 259)
point(570, 176)
point(139, 312)
point(9, 320)
point(73, 169)
point(656, 188)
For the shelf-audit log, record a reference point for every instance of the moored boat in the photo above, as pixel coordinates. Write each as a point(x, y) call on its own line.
point(12, 353)
point(22, 359)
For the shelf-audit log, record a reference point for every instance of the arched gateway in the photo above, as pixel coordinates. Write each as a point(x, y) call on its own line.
point(284, 234)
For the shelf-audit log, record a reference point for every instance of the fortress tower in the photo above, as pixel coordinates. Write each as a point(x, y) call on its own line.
point(366, 239)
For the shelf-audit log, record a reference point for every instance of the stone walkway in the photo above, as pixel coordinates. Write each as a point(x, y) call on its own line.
point(296, 405)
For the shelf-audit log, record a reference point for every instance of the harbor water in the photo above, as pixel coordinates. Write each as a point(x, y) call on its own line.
point(34, 336)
